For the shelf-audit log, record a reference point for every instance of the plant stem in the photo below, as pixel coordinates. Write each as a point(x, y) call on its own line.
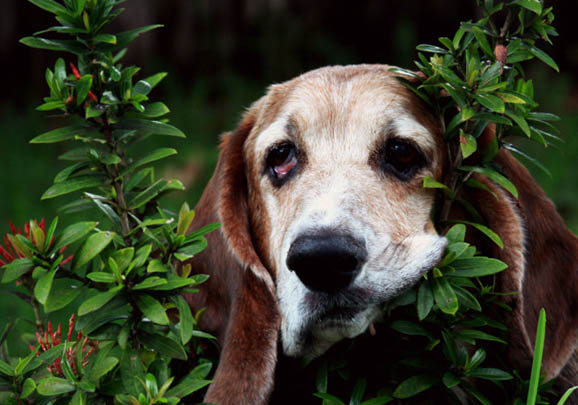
point(117, 184)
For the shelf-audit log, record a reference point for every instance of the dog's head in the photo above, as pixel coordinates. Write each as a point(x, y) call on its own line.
point(335, 161)
point(325, 219)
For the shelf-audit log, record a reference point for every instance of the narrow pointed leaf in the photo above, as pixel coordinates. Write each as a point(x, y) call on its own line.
point(151, 308)
point(61, 134)
point(97, 301)
point(151, 127)
point(13, 270)
point(43, 286)
point(477, 266)
point(163, 345)
point(414, 385)
point(72, 185)
point(444, 295)
point(92, 247)
point(51, 386)
point(72, 233)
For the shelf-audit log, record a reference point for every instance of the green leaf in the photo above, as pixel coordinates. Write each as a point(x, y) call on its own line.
point(494, 237)
point(491, 102)
point(456, 233)
point(186, 319)
point(62, 134)
point(482, 40)
point(566, 395)
point(51, 105)
point(468, 334)
point(425, 300)
point(151, 127)
point(124, 38)
point(544, 57)
point(142, 255)
point(450, 380)
point(6, 369)
point(105, 38)
point(28, 387)
point(520, 121)
point(409, 328)
point(444, 295)
point(467, 299)
point(51, 386)
point(106, 209)
point(15, 269)
point(533, 5)
point(414, 385)
point(92, 247)
point(43, 286)
point(430, 182)
point(477, 266)
point(155, 110)
point(155, 79)
point(149, 283)
point(381, 400)
point(123, 258)
point(132, 372)
point(154, 156)
point(404, 72)
point(82, 88)
point(494, 176)
point(163, 345)
point(63, 292)
point(151, 308)
point(329, 399)
point(70, 170)
point(493, 374)
point(186, 216)
point(190, 250)
point(430, 49)
point(54, 45)
point(102, 367)
point(101, 277)
point(72, 233)
point(72, 185)
point(50, 6)
point(537, 360)
point(194, 381)
point(468, 144)
point(97, 301)
point(146, 195)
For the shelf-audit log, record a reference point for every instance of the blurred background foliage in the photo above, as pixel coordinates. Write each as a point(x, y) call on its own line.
point(222, 54)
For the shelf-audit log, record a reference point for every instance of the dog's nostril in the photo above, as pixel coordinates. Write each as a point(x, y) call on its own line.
point(327, 262)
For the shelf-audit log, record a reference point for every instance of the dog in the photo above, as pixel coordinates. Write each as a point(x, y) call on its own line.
point(325, 218)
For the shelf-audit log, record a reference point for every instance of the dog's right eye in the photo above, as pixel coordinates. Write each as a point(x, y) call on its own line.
point(281, 160)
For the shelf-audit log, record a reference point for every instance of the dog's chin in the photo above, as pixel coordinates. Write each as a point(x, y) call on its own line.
point(320, 333)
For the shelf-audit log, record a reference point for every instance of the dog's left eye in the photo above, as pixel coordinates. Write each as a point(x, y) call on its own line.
point(282, 159)
point(402, 158)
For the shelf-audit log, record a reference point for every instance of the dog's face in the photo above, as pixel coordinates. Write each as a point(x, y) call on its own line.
point(335, 166)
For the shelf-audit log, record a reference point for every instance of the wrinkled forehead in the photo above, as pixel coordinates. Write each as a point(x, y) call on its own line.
point(343, 104)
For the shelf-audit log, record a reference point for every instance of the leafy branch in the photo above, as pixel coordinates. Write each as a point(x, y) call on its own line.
point(124, 267)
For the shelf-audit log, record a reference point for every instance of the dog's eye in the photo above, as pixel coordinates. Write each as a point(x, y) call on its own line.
point(402, 158)
point(282, 159)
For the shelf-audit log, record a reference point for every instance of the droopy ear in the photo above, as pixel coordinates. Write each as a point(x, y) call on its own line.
point(542, 258)
point(239, 295)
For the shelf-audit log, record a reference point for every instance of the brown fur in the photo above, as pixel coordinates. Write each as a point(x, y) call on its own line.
point(240, 294)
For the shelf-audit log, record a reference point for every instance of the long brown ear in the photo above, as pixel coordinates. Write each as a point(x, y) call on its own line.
point(239, 295)
point(542, 257)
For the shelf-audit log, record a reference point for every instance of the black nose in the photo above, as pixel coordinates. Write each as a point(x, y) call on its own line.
point(326, 262)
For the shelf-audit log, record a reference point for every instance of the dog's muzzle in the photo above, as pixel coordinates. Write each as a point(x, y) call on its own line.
point(326, 262)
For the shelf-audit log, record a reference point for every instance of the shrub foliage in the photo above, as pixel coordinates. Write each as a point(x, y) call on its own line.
point(133, 326)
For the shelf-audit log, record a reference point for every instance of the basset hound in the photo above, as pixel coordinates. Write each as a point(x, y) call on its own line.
point(324, 219)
